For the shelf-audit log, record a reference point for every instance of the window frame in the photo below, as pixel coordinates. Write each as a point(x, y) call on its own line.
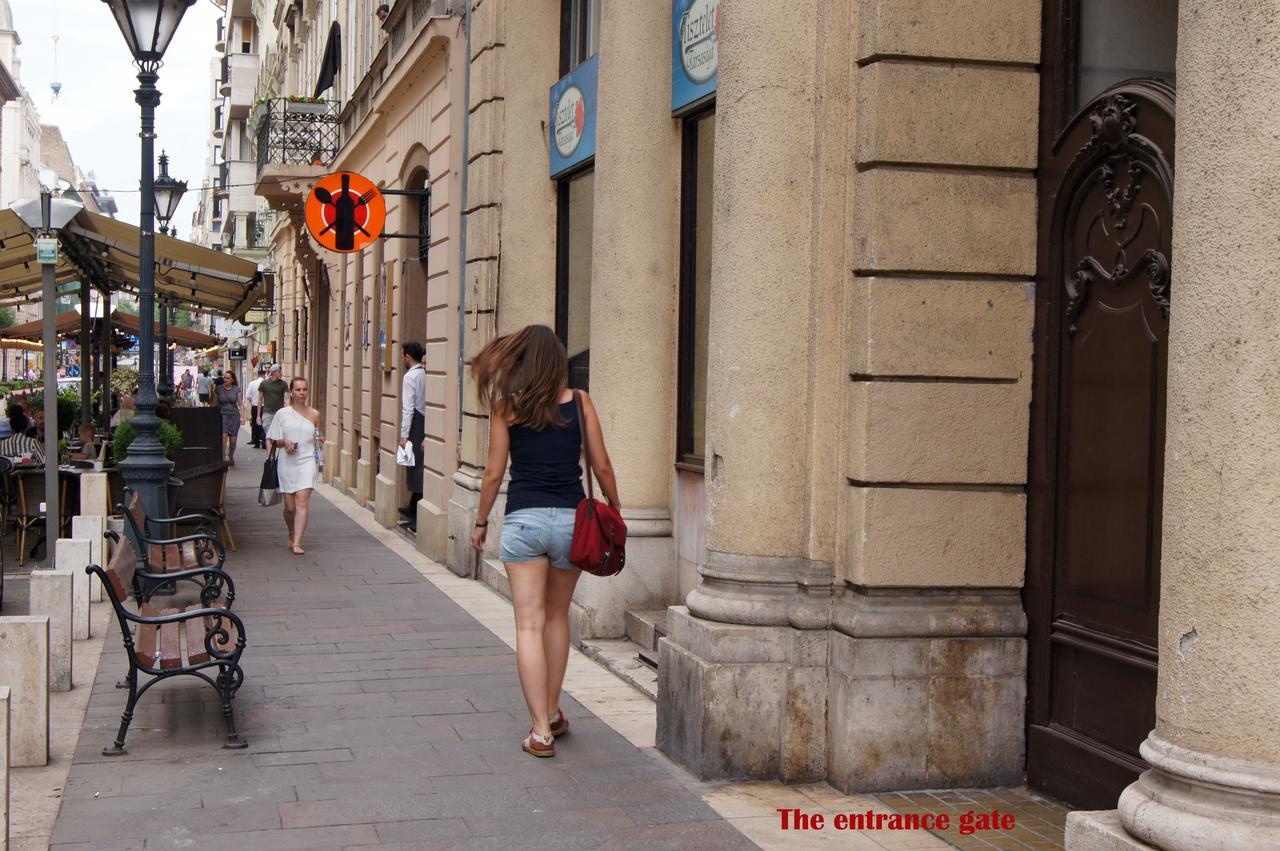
point(562, 254)
point(574, 40)
point(686, 326)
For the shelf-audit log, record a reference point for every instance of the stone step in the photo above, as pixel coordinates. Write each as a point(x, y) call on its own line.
point(622, 658)
point(646, 627)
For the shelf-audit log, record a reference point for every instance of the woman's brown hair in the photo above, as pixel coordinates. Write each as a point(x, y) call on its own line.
point(522, 374)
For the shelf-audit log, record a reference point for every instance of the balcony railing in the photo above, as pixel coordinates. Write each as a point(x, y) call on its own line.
point(297, 132)
point(224, 176)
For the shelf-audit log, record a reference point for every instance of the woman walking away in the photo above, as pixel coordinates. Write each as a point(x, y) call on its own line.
point(295, 429)
point(227, 399)
point(535, 422)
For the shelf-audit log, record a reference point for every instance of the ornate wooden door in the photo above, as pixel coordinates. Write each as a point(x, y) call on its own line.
point(1098, 443)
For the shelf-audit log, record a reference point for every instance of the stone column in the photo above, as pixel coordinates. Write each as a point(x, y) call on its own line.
point(24, 668)
point(4, 768)
point(91, 529)
point(1214, 780)
point(73, 555)
point(51, 596)
point(633, 306)
point(742, 693)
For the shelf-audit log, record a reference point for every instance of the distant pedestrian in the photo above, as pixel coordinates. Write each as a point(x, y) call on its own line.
point(534, 422)
point(413, 426)
point(272, 392)
point(295, 429)
point(203, 384)
point(253, 398)
point(227, 399)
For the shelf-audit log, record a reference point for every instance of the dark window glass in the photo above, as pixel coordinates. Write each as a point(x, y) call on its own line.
point(1122, 39)
point(697, 185)
point(573, 274)
point(579, 32)
point(424, 221)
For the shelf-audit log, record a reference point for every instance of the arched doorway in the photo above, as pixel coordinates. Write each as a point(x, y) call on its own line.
point(1097, 455)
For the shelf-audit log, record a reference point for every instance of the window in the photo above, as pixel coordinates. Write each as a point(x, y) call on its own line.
point(306, 331)
point(1121, 39)
point(579, 32)
point(575, 203)
point(296, 348)
point(696, 188)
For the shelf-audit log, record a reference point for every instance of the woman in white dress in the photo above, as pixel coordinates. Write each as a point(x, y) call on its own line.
point(296, 430)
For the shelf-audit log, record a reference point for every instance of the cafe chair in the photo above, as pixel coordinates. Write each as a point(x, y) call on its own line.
point(30, 494)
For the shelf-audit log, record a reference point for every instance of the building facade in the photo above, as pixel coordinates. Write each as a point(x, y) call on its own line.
point(923, 435)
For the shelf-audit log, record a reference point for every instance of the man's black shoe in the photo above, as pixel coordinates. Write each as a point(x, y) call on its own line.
point(406, 511)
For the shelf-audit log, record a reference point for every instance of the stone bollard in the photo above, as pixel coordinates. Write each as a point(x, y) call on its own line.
point(95, 495)
point(24, 668)
point(51, 596)
point(73, 554)
point(4, 768)
point(90, 527)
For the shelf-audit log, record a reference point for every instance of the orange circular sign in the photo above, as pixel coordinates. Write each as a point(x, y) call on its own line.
point(345, 212)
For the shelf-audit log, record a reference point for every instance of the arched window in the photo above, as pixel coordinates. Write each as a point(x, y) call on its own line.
point(424, 219)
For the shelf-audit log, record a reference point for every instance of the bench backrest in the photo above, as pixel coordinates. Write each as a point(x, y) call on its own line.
point(137, 513)
point(120, 570)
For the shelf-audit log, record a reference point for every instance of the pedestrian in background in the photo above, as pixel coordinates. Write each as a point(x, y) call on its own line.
point(253, 397)
point(413, 425)
point(227, 400)
point(296, 430)
point(203, 384)
point(539, 424)
point(272, 393)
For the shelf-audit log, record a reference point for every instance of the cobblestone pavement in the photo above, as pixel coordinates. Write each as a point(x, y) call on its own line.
point(378, 712)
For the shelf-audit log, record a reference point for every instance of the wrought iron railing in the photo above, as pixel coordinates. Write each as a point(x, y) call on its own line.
point(297, 132)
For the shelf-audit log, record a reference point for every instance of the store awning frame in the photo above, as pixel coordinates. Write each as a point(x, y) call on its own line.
point(104, 252)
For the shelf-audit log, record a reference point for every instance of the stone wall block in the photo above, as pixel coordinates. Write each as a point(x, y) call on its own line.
point(483, 233)
point(929, 432)
point(24, 668)
point(947, 114)
point(91, 528)
point(935, 537)
point(987, 30)
point(475, 440)
point(75, 554)
point(481, 328)
point(51, 596)
point(488, 26)
point(95, 495)
point(482, 285)
point(939, 327)
point(488, 126)
point(484, 182)
point(488, 76)
point(929, 220)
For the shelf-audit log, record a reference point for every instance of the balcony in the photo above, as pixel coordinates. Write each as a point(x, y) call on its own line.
point(220, 42)
point(296, 143)
point(242, 80)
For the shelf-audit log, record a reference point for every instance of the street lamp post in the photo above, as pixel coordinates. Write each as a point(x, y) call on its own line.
point(168, 194)
point(147, 26)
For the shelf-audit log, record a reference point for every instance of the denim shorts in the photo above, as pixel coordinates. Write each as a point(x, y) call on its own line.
point(532, 533)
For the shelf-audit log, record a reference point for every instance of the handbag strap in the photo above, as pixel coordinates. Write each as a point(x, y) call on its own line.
point(586, 453)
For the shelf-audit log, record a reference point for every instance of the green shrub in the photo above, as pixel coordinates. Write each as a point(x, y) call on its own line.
point(125, 434)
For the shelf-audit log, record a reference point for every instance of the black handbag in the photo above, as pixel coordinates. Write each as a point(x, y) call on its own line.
point(269, 487)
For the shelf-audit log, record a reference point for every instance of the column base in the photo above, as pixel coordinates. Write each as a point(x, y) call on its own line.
point(363, 481)
point(433, 531)
point(1100, 830)
point(385, 510)
point(1191, 800)
point(902, 690)
point(331, 461)
point(346, 470)
point(463, 504)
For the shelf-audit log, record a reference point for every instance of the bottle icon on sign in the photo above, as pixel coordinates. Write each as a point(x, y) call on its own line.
point(344, 213)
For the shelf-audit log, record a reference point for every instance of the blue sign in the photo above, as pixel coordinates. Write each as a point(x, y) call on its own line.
point(573, 117)
point(695, 52)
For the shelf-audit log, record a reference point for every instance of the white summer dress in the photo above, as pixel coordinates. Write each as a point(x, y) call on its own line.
point(298, 468)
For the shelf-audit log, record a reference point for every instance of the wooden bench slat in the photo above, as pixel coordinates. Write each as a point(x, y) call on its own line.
point(197, 629)
point(146, 639)
point(170, 644)
point(189, 557)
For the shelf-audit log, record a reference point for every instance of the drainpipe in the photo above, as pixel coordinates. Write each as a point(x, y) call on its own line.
point(462, 243)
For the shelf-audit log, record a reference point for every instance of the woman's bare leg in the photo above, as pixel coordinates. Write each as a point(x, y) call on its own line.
point(231, 449)
point(289, 504)
point(555, 633)
point(528, 594)
point(301, 511)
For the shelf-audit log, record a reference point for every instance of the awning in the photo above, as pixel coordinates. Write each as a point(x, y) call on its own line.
point(104, 252)
point(68, 325)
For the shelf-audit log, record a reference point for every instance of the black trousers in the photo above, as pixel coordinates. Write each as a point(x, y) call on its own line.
point(417, 431)
point(258, 436)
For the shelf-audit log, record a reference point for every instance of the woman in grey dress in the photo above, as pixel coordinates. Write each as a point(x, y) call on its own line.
point(227, 399)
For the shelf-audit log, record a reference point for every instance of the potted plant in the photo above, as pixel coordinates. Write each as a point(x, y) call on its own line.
point(125, 434)
point(312, 106)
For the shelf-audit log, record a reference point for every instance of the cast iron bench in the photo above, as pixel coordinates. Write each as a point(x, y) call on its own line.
point(163, 557)
point(214, 640)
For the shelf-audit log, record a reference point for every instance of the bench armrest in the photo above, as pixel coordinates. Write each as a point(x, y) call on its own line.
point(218, 574)
point(188, 539)
point(196, 517)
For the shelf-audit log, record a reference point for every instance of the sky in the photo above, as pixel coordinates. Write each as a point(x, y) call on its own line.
point(96, 110)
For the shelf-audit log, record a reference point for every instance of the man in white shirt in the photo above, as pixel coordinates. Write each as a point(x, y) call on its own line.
point(413, 425)
point(257, 437)
point(203, 385)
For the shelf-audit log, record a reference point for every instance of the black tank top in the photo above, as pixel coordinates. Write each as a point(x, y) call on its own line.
point(545, 466)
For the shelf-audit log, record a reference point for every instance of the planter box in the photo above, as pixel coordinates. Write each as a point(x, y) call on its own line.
point(306, 108)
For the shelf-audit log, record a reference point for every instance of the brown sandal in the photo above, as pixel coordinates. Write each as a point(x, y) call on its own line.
point(560, 725)
point(539, 746)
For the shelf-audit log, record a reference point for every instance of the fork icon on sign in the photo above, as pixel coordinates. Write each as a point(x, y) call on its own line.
point(345, 213)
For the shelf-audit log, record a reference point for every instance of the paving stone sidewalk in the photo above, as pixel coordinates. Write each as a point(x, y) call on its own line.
point(379, 714)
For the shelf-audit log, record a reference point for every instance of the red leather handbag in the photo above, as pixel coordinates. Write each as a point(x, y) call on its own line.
point(599, 535)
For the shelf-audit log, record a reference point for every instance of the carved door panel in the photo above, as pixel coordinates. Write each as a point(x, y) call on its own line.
point(1098, 446)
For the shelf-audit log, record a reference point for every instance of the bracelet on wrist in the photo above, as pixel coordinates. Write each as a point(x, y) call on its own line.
point(481, 525)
